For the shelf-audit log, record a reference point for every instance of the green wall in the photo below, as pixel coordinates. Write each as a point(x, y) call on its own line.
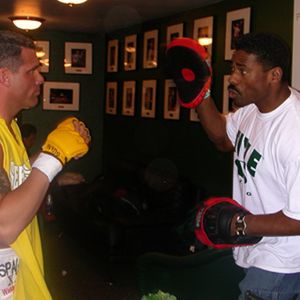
point(183, 143)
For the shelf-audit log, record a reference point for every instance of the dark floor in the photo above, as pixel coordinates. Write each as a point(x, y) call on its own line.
point(77, 270)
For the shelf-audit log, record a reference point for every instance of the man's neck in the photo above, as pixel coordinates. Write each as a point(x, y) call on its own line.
point(274, 99)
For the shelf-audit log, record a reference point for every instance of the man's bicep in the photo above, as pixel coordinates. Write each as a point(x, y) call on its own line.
point(4, 181)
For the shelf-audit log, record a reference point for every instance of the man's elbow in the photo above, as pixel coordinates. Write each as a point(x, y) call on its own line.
point(7, 236)
point(223, 145)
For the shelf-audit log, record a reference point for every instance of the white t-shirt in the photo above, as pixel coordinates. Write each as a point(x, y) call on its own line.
point(9, 264)
point(266, 178)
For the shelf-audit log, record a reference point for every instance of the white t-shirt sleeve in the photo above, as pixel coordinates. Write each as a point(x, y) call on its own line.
point(233, 121)
point(231, 128)
point(232, 124)
point(292, 175)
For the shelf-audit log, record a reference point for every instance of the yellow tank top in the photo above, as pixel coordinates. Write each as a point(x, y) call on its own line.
point(30, 278)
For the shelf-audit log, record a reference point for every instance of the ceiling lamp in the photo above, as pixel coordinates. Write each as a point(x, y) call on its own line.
point(205, 41)
point(72, 2)
point(27, 23)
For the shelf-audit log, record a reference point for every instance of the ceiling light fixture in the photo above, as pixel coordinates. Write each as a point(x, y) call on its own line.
point(72, 2)
point(27, 23)
point(205, 41)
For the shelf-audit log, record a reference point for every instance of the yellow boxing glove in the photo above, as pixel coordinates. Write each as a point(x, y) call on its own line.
point(64, 142)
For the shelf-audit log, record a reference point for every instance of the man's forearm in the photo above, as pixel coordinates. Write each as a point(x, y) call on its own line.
point(277, 224)
point(18, 207)
point(214, 124)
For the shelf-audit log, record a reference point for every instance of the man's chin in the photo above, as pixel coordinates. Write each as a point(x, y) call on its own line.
point(237, 103)
point(34, 103)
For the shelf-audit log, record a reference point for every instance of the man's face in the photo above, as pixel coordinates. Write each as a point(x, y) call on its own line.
point(248, 81)
point(26, 81)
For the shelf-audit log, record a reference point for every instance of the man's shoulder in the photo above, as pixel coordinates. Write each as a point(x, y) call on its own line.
point(295, 94)
point(295, 102)
point(242, 113)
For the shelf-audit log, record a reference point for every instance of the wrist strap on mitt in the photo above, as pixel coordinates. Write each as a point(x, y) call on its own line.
point(213, 224)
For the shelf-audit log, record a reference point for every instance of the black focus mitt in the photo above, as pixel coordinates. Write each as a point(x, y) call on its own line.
point(213, 224)
point(186, 63)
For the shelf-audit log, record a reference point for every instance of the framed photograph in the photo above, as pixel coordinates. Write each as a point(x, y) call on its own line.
point(228, 105)
point(78, 58)
point(130, 52)
point(171, 104)
point(112, 55)
point(42, 53)
point(111, 98)
point(203, 33)
point(150, 49)
point(193, 115)
point(237, 24)
point(60, 95)
point(128, 101)
point(174, 32)
point(148, 98)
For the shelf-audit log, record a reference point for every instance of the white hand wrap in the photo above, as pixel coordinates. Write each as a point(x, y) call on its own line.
point(48, 164)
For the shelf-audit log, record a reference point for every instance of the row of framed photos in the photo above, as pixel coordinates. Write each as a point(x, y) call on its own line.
point(78, 57)
point(148, 99)
point(65, 96)
point(237, 24)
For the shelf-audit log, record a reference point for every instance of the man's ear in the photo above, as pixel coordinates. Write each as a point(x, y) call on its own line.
point(4, 76)
point(276, 74)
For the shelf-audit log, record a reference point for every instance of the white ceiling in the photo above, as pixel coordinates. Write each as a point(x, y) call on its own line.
point(95, 15)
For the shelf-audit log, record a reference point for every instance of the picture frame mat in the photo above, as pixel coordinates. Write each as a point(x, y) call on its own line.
point(128, 100)
point(78, 58)
point(174, 31)
point(203, 28)
point(43, 53)
point(193, 115)
point(61, 95)
point(111, 98)
point(171, 103)
point(150, 49)
point(112, 55)
point(237, 23)
point(148, 98)
point(130, 51)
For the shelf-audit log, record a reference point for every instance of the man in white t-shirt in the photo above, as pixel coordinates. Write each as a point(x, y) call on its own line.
point(264, 134)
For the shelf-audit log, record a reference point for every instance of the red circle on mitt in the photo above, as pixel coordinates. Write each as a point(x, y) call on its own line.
point(188, 74)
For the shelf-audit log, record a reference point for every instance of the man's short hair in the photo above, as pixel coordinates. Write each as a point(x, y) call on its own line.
point(11, 44)
point(271, 51)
